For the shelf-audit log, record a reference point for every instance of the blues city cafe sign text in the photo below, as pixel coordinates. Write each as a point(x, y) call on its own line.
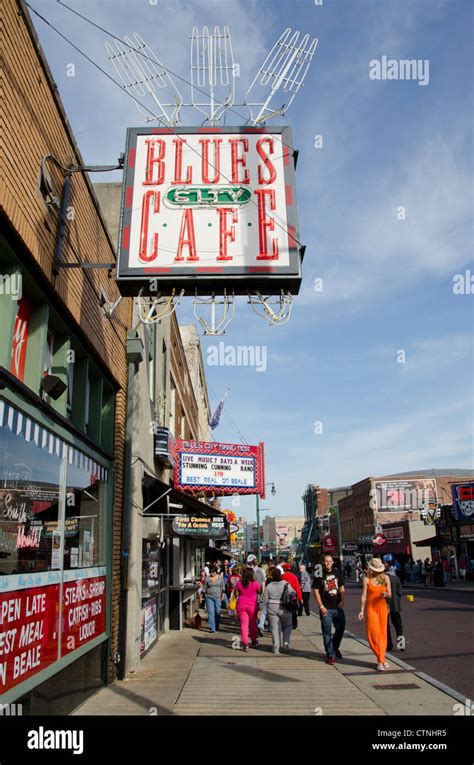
point(209, 205)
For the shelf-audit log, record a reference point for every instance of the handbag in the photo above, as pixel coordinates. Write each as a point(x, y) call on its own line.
point(232, 603)
point(288, 601)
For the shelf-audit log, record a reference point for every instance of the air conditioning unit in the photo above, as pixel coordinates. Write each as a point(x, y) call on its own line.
point(165, 452)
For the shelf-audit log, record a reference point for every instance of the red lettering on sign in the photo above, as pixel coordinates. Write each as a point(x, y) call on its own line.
point(178, 163)
point(187, 237)
point(266, 161)
point(226, 233)
point(264, 223)
point(147, 198)
point(20, 339)
point(154, 162)
point(236, 160)
point(216, 161)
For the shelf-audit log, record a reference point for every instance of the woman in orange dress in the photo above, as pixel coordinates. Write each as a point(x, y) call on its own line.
point(376, 591)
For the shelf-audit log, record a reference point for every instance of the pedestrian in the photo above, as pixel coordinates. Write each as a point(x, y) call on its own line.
point(292, 579)
point(213, 589)
point(207, 568)
point(259, 576)
point(446, 570)
point(394, 608)
point(348, 570)
point(329, 593)
point(376, 590)
point(429, 572)
point(233, 580)
point(280, 565)
point(202, 579)
point(305, 584)
point(247, 591)
point(279, 616)
point(263, 606)
point(463, 567)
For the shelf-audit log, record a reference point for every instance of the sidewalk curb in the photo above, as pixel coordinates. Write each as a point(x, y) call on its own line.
point(422, 675)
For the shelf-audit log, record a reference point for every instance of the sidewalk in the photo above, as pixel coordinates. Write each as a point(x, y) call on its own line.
point(197, 673)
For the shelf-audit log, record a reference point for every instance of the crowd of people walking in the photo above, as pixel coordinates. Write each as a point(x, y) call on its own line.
point(272, 596)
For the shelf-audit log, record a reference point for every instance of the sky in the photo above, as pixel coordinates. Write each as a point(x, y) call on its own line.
point(373, 374)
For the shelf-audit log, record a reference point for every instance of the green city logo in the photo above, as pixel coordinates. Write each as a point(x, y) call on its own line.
point(209, 195)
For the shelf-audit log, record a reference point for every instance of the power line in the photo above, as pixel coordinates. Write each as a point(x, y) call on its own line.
point(48, 23)
point(169, 71)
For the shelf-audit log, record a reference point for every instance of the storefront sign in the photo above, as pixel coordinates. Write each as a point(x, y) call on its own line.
point(212, 205)
point(29, 633)
point(200, 527)
point(20, 339)
point(463, 500)
point(349, 546)
point(394, 534)
point(329, 544)
point(149, 624)
point(397, 496)
point(83, 610)
point(379, 540)
point(217, 468)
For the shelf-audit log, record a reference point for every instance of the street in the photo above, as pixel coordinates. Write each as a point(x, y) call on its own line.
point(438, 627)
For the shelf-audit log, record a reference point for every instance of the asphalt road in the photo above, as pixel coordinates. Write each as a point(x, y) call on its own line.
point(439, 631)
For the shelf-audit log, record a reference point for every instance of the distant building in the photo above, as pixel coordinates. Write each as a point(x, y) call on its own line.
point(404, 508)
point(281, 534)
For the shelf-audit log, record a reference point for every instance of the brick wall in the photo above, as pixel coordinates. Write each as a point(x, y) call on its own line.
point(34, 126)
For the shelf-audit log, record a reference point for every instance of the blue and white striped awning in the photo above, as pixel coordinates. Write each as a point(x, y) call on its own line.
point(21, 425)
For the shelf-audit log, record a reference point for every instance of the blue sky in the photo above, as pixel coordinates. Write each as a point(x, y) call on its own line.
point(387, 283)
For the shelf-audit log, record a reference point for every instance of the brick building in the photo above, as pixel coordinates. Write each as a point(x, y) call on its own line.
point(63, 378)
point(403, 507)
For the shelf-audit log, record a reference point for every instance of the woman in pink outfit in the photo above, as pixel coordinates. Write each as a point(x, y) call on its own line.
point(247, 591)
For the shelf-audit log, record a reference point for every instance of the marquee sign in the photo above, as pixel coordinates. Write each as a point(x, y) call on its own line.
point(208, 207)
point(217, 468)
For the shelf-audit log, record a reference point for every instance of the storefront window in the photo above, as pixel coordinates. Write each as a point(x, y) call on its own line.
point(84, 519)
point(29, 501)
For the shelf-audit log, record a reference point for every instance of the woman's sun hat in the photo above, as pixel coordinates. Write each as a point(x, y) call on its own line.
point(377, 565)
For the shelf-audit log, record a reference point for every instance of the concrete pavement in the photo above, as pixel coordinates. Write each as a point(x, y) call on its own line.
point(194, 672)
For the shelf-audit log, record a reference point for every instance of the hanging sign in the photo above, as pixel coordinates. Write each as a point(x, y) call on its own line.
point(200, 527)
point(210, 206)
point(217, 468)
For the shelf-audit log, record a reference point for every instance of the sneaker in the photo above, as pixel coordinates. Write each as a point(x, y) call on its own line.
point(338, 653)
point(286, 647)
point(331, 660)
point(245, 649)
point(254, 643)
point(276, 651)
point(381, 667)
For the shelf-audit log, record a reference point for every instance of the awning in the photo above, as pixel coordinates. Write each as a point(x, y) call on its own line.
point(435, 541)
point(32, 432)
point(190, 504)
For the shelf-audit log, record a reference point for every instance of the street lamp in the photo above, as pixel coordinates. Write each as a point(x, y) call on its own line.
point(273, 491)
